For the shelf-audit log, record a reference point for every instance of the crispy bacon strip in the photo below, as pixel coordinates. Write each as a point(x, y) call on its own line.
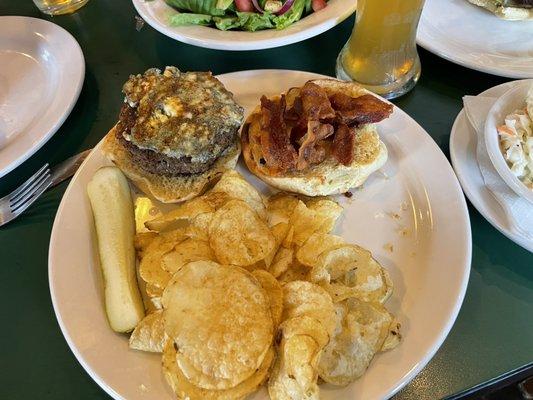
point(315, 102)
point(343, 145)
point(359, 110)
point(278, 152)
point(309, 152)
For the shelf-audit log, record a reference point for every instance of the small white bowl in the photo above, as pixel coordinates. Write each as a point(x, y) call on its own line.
point(513, 99)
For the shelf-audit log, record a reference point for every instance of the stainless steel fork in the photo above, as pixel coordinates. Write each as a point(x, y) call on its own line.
point(12, 205)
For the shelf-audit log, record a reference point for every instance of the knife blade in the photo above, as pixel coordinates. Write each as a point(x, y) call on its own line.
point(67, 168)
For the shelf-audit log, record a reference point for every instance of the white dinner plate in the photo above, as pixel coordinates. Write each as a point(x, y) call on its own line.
point(41, 75)
point(157, 12)
point(463, 142)
point(402, 214)
point(475, 38)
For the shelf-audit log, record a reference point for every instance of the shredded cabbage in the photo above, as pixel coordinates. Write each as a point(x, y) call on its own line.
point(516, 141)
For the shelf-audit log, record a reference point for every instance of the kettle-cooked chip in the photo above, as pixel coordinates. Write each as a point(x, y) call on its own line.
point(208, 308)
point(280, 207)
point(141, 241)
point(359, 334)
point(184, 389)
point(307, 221)
point(305, 298)
point(328, 210)
point(394, 337)
point(274, 292)
point(295, 373)
point(149, 334)
point(318, 244)
point(187, 251)
point(350, 271)
point(294, 272)
point(238, 236)
point(153, 291)
point(281, 262)
point(234, 185)
point(280, 232)
point(150, 267)
point(179, 217)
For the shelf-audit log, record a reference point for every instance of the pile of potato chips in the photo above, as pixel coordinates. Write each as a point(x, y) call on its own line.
point(243, 290)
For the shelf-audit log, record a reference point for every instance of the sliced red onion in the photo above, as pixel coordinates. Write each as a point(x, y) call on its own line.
point(257, 6)
point(286, 7)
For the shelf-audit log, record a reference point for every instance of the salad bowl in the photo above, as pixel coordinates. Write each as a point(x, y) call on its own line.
point(163, 18)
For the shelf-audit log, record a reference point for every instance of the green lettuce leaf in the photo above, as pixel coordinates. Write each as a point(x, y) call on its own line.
point(308, 7)
point(180, 19)
point(223, 4)
point(208, 7)
point(225, 23)
point(253, 22)
point(291, 16)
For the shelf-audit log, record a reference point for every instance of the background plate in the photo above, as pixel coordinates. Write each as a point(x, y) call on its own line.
point(41, 74)
point(402, 215)
point(156, 14)
point(463, 144)
point(475, 38)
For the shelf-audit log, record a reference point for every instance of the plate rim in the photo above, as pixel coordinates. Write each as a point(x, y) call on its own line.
point(433, 47)
point(255, 44)
point(437, 342)
point(477, 200)
point(78, 69)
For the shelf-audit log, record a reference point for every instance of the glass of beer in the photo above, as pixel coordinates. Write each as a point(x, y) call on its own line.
point(57, 7)
point(381, 53)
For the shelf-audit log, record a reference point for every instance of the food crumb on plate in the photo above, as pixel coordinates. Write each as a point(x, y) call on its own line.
point(389, 247)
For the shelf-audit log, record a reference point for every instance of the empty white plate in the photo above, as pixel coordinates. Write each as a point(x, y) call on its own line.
point(41, 75)
point(475, 38)
point(157, 12)
point(402, 215)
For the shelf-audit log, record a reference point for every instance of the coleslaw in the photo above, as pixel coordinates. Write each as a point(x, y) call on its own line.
point(516, 141)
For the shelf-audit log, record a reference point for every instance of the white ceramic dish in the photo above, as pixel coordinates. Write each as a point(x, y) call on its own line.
point(513, 99)
point(41, 75)
point(416, 194)
point(156, 14)
point(475, 38)
point(463, 143)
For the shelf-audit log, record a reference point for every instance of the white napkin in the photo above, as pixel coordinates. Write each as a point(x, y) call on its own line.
point(519, 211)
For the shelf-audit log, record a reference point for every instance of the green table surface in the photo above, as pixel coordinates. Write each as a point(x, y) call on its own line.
point(492, 335)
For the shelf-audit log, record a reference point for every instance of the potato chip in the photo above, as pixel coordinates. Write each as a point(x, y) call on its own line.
point(153, 291)
point(150, 267)
point(180, 216)
point(184, 389)
point(156, 303)
point(352, 272)
point(294, 272)
point(295, 373)
point(359, 334)
point(394, 337)
point(307, 221)
point(141, 242)
point(328, 210)
point(149, 334)
point(234, 185)
point(281, 262)
point(274, 292)
point(280, 207)
point(145, 210)
point(280, 232)
point(288, 241)
point(315, 246)
point(238, 236)
point(185, 252)
point(220, 319)
point(305, 298)
point(199, 226)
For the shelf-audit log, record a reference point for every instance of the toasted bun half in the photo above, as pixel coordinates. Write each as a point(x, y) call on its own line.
point(328, 177)
point(168, 189)
point(507, 13)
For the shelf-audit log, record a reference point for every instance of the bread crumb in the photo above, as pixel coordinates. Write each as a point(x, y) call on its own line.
point(389, 247)
point(403, 231)
point(394, 215)
point(348, 194)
